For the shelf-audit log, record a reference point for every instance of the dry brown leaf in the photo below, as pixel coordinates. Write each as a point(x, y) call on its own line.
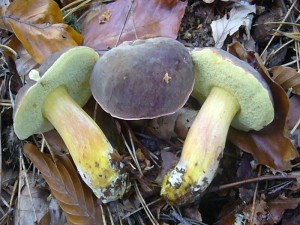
point(54, 216)
point(73, 196)
point(266, 212)
point(32, 203)
point(294, 113)
point(278, 206)
point(287, 77)
point(38, 24)
point(24, 63)
point(174, 125)
point(240, 15)
point(147, 19)
point(271, 145)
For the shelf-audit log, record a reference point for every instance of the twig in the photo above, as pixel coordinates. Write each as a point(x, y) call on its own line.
point(126, 19)
point(103, 215)
point(139, 209)
point(71, 4)
point(279, 27)
point(110, 216)
point(132, 153)
point(251, 180)
point(28, 186)
point(180, 218)
point(76, 8)
point(147, 210)
point(290, 63)
point(277, 50)
point(295, 127)
point(253, 208)
point(10, 50)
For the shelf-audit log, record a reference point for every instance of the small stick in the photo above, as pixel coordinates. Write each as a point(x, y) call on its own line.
point(251, 180)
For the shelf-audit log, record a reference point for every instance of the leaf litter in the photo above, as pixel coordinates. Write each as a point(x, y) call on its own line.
point(261, 187)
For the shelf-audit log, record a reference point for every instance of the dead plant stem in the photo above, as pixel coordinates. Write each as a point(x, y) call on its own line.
point(253, 208)
point(251, 180)
point(278, 28)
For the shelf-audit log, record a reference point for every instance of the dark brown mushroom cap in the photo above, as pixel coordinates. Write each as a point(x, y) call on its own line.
point(70, 68)
point(143, 79)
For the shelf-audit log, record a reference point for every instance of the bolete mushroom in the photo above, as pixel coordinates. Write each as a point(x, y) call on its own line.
point(54, 99)
point(236, 95)
point(143, 79)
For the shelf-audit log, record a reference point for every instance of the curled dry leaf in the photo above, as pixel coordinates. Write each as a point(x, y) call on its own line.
point(266, 212)
point(73, 196)
point(287, 77)
point(271, 145)
point(131, 20)
point(240, 15)
point(38, 24)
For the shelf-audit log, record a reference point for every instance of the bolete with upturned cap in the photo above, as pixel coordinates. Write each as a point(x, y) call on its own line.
point(236, 95)
point(143, 79)
point(54, 99)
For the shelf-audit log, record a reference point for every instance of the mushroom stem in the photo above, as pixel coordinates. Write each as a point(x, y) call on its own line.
point(202, 150)
point(91, 151)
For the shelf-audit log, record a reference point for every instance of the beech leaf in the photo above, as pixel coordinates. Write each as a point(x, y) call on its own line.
point(287, 77)
point(240, 15)
point(143, 19)
point(38, 24)
point(270, 146)
point(72, 194)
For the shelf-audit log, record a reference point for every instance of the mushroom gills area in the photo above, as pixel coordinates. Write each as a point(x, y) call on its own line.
point(202, 149)
point(88, 146)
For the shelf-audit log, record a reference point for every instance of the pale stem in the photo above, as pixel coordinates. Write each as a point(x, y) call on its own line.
point(203, 148)
point(88, 146)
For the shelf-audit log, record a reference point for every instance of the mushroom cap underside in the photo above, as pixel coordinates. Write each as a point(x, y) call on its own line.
point(70, 68)
point(216, 67)
point(143, 79)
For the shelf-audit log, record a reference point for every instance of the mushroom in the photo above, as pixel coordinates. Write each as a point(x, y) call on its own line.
point(55, 100)
point(236, 95)
point(143, 79)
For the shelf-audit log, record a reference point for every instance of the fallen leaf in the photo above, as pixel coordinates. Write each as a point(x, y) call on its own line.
point(278, 206)
point(25, 63)
point(266, 212)
point(264, 27)
point(287, 77)
point(294, 113)
point(38, 24)
point(271, 145)
point(176, 124)
point(54, 216)
point(184, 122)
point(3, 6)
point(72, 194)
point(169, 160)
point(130, 20)
point(193, 213)
point(239, 15)
point(32, 203)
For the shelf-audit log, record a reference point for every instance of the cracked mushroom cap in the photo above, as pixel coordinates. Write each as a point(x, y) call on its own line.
point(215, 67)
point(71, 68)
point(143, 79)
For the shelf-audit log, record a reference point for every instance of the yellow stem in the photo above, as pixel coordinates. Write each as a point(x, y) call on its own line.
point(88, 146)
point(202, 150)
